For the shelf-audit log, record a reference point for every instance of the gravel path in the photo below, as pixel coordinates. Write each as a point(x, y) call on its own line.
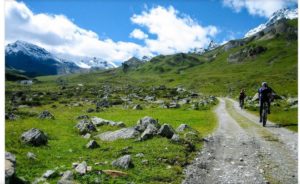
point(242, 151)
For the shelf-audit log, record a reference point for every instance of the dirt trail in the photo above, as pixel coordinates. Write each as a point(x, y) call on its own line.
point(242, 151)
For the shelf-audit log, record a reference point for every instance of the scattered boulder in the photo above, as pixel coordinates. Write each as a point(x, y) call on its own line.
point(92, 144)
point(120, 124)
point(46, 115)
point(145, 162)
point(10, 167)
point(180, 90)
point(11, 116)
point(50, 174)
point(34, 137)
point(294, 106)
point(90, 110)
point(124, 133)
point(139, 155)
point(103, 103)
point(123, 162)
point(138, 107)
point(292, 101)
point(149, 132)
point(39, 180)
point(87, 136)
point(182, 128)
point(31, 156)
point(150, 98)
point(166, 131)
point(184, 101)
point(85, 126)
point(99, 121)
point(144, 122)
point(81, 168)
point(66, 178)
point(174, 105)
point(175, 138)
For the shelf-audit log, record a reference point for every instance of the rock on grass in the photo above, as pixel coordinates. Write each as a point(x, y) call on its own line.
point(81, 168)
point(144, 122)
point(166, 131)
point(34, 137)
point(92, 144)
point(10, 167)
point(123, 162)
point(46, 115)
point(124, 133)
point(85, 126)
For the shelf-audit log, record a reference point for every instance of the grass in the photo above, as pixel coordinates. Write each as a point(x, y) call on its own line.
point(67, 146)
point(281, 115)
point(209, 74)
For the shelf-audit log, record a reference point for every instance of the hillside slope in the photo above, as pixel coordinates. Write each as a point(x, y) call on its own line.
point(269, 56)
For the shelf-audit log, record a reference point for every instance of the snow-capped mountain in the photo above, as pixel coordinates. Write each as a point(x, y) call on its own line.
point(29, 49)
point(87, 62)
point(95, 62)
point(280, 14)
point(212, 45)
point(34, 60)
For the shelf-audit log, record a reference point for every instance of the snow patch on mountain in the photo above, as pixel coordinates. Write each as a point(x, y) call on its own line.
point(280, 14)
point(30, 50)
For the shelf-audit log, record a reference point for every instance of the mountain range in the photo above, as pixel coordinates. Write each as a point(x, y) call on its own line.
point(32, 60)
point(278, 15)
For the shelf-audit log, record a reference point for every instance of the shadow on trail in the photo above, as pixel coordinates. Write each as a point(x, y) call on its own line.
point(273, 126)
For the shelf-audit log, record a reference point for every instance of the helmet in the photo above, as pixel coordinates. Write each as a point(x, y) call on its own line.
point(264, 84)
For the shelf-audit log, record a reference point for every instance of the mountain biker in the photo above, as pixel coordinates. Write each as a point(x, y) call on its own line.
point(265, 95)
point(242, 97)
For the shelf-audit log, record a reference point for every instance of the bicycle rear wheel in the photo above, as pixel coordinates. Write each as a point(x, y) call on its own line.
point(265, 114)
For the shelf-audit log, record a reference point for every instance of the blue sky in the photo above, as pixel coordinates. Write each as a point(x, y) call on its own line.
point(111, 18)
point(116, 30)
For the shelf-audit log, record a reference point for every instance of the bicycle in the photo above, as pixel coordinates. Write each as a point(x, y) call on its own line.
point(265, 113)
point(241, 104)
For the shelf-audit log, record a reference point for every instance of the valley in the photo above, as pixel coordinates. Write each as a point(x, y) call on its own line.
point(166, 119)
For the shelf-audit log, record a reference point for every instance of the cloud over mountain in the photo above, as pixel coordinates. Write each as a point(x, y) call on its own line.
point(174, 32)
point(263, 8)
point(168, 32)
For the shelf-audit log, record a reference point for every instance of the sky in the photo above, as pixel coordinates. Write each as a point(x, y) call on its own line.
point(116, 30)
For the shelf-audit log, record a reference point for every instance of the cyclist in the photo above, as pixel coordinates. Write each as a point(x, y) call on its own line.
point(265, 95)
point(242, 97)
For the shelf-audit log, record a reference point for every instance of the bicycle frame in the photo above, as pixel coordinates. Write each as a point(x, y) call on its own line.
point(265, 113)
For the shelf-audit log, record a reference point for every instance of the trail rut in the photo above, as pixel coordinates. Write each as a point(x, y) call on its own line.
point(242, 151)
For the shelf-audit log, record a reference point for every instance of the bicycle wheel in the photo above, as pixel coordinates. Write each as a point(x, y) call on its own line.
point(265, 113)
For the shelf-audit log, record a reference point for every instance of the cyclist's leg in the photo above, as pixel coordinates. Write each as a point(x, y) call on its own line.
point(260, 110)
point(269, 107)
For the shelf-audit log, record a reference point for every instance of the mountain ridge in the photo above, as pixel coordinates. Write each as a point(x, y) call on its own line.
point(276, 16)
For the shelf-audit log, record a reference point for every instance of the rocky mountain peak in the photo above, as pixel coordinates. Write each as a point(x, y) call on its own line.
point(280, 14)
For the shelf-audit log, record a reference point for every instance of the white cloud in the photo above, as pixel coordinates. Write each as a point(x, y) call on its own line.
point(263, 8)
point(138, 34)
point(168, 32)
point(174, 32)
point(58, 34)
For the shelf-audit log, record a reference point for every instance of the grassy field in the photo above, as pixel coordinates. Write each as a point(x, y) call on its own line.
point(208, 74)
point(284, 118)
point(67, 146)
